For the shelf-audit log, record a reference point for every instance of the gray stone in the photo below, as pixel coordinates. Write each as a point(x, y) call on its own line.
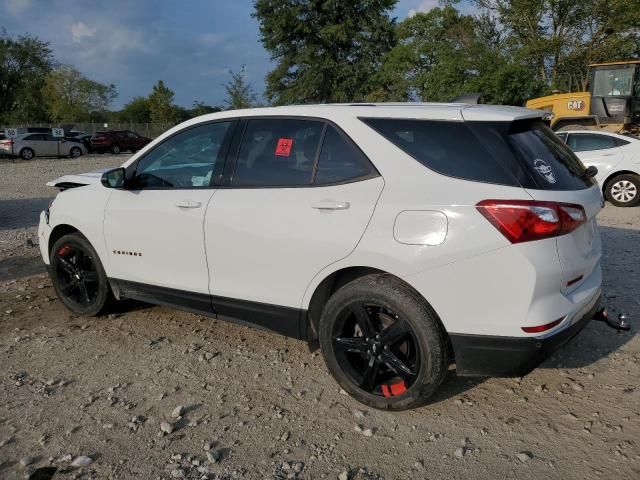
point(82, 461)
point(524, 456)
point(178, 411)
point(166, 427)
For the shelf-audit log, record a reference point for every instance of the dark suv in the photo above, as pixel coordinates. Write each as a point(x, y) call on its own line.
point(115, 141)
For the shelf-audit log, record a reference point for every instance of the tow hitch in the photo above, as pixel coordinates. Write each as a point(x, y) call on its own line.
point(620, 324)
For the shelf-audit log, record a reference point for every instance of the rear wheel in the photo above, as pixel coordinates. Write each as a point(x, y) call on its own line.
point(115, 149)
point(623, 190)
point(75, 152)
point(78, 276)
point(383, 344)
point(27, 154)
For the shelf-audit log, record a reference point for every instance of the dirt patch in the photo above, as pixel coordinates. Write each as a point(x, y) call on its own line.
point(257, 405)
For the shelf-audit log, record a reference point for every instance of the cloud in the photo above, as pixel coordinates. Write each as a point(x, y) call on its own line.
point(211, 39)
point(16, 7)
point(424, 6)
point(81, 30)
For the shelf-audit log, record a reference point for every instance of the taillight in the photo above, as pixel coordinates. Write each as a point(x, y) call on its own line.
point(542, 328)
point(6, 142)
point(527, 220)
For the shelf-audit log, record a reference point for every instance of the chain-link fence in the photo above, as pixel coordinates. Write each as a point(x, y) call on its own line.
point(150, 130)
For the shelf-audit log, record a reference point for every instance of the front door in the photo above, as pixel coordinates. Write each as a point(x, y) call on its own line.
point(299, 199)
point(154, 228)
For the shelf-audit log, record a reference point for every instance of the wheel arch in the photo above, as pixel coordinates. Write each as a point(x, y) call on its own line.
point(60, 231)
point(337, 279)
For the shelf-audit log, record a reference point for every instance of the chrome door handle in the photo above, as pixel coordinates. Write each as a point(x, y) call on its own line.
point(188, 204)
point(330, 205)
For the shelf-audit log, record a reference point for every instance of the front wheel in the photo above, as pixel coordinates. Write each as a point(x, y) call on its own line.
point(383, 343)
point(623, 190)
point(78, 276)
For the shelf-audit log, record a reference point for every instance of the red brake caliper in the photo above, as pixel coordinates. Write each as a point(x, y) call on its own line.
point(64, 250)
point(394, 389)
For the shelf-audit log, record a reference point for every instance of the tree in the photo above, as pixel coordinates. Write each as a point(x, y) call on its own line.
point(562, 37)
point(325, 50)
point(138, 110)
point(240, 93)
point(200, 108)
point(24, 63)
point(70, 96)
point(162, 109)
point(443, 54)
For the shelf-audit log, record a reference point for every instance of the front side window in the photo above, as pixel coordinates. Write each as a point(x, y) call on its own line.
point(340, 160)
point(584, 142)
point(609, 83)
point(188, 159)
point(277, 152)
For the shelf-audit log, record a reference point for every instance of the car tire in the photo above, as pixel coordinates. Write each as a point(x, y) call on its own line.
point(78, 276)
point(115, 149)
point(623, 190)
point(75, 152)
point(27, 154)
point(383, 343)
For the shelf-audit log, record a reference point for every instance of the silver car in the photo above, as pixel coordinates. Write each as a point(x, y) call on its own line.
point(29, 145)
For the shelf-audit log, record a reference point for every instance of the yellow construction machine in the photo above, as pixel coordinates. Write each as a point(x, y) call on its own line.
point(612, 102)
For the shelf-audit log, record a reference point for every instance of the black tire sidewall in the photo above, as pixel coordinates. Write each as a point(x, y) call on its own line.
point(115, 149)
point(635, 179)
point(428, 331)
point(75, 149)
point(104, 290)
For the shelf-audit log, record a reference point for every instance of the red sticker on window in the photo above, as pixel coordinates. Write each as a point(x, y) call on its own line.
point(283, 149)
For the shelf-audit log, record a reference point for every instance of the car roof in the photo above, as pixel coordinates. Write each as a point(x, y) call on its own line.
point(413, 110)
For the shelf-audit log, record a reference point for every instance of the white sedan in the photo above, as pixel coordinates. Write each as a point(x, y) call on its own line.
point(617, 158)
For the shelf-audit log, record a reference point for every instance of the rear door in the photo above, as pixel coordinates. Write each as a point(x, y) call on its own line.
point(598, 150)
point(298, 199)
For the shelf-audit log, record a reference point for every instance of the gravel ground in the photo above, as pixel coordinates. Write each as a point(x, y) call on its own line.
point(151, 392)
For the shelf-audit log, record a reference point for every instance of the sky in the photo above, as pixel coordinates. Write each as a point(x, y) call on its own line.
point(190, 44)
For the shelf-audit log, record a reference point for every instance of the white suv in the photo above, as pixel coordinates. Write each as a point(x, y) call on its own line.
point(400, 238)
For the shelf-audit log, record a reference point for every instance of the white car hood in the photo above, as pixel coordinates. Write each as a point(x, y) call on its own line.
point(78, 179)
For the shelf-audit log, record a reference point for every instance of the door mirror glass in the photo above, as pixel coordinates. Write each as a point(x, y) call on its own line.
point(113, 178)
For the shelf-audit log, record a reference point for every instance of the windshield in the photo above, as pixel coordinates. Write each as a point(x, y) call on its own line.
point(609, 83)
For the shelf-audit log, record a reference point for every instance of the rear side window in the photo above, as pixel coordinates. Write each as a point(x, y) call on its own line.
point(551, 164)
point(521, 153)
point(277, 152)
point(584, 142)
point(340, 160)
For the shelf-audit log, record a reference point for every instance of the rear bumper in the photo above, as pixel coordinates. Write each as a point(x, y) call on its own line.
point(484, 355)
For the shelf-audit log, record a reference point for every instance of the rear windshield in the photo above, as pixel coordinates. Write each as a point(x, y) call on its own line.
point(520, 153)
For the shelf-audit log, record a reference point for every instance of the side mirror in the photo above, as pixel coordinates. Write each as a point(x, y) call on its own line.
point(113, 178)
point(591, 171)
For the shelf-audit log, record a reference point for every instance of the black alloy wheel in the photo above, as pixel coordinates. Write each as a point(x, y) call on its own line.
point(383, 343)
point(377, 349)
point(78, 276)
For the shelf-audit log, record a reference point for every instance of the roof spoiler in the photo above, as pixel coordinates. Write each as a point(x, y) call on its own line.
point(470, 98)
